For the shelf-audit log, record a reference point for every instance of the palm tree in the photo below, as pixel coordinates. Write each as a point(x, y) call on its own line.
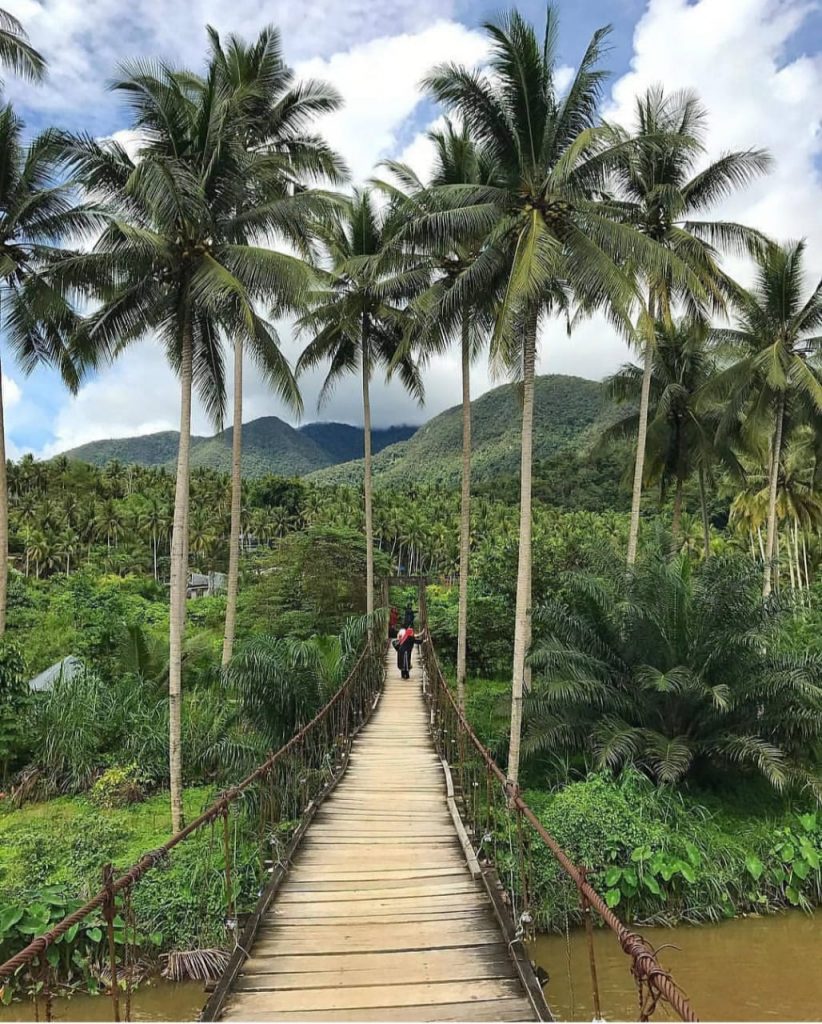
point(547, 233)
point(16, 52)
point(660, 190)
point(175, 261)
point(37, 211)
point(776, 371)
point(459, 161)
point(681, 430)
point(674, 671)
point(275, 113)
point(355, 322)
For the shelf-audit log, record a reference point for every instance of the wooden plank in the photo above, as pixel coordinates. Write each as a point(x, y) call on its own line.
point(373, 996)
point(397, 962)
point(370, 939)
point(418, 970)
point(510, 1009)
point(413, 893)
point(303, 879)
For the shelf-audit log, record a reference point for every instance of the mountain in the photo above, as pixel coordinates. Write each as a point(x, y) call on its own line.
point(344, 442)
point(269, 446)
point(567, 413)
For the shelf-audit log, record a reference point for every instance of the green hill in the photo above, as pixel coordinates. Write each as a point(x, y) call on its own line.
point(566, 411)
point(269, 446)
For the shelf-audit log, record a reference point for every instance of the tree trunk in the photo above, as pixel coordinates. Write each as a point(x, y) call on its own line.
point(465, 512)
point(642, 434)
point(232, 584)
point(706, 523)
point(369, 512)
point(154, 550)
point(522, 625)
point(676, 522)
point(770, 536)
point(4, 516)
point(177, 613)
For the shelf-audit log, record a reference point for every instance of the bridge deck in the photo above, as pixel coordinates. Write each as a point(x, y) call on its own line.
point(379, 918)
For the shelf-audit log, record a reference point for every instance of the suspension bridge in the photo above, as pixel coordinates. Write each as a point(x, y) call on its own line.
point(395, 865)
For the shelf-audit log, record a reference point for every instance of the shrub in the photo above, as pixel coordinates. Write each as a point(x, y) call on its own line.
point(119, 786)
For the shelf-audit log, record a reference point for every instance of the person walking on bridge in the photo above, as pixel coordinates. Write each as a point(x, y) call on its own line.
point(406, 640)
point(408, 618)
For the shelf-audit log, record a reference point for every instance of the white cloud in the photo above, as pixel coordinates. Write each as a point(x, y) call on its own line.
point(85, 42)
point(734, 56)
point(380, 83)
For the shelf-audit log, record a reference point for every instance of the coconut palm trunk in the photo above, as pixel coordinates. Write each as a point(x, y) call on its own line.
point(770, 536)
point(179, 547)
point(369, 510)
point(4, 516)
point(676, 522)
point(232, 584)
point(706, 523)
point(642, 434)
point(465, 513)
point(522, 625)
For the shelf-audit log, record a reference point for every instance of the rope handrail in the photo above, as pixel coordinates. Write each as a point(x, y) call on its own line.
point(219, 807)
point(645, 968)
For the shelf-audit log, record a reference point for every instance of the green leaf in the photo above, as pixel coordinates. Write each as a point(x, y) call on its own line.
point(801, 868)
point(792, 896)
point(694, 856)
point(629, 876)
point(95, 934)
point(811, 856)
point(808, 821)
point(612, 876)
point(641, 853)
point(612, 897)
point(788, 852)
point(755, 866)
point(687, 872)
point(71, 934)
point(53, 956)
point(6, 995)
point(651, 885)
point(10, 916)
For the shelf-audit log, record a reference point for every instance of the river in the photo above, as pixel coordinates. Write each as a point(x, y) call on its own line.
point(754, 969)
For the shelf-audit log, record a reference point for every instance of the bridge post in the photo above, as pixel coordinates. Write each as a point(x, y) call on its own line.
point(109, 912)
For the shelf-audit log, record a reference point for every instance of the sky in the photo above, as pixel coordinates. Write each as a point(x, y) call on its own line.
point(757, 64)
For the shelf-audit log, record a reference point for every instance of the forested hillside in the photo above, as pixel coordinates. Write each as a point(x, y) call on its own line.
point(566, 410)
point(269, 446)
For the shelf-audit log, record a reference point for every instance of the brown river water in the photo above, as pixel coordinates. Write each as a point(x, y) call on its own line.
point(753, 969)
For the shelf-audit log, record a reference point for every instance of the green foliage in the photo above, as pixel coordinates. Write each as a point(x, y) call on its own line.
point(118, 786)
point(14, 697)
point(677, 671)
point(662, 858)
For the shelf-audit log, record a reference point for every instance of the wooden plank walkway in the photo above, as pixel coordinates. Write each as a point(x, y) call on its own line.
point(379, 918)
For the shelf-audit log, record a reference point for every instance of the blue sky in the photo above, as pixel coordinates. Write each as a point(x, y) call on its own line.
point(757, 64)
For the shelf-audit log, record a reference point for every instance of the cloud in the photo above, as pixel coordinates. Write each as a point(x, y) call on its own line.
point(735, 56)
point(85, 42)
point(380, 83)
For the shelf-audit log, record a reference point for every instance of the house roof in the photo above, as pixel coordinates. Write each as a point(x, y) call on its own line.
point(67, 668)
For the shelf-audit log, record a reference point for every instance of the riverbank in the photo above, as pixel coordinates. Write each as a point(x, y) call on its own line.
point(660, 855)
